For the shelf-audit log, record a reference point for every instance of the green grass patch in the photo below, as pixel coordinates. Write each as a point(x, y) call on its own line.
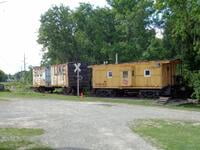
point(34, 95)
point(144, 102)
point(15, 138)
point(22, 90)
point(17, 86)
point(170, 135)
point(190, 106)
point(129, 101)
point(3, 99)
point(20, 132)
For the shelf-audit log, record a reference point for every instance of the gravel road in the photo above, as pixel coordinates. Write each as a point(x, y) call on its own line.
point(86, 125)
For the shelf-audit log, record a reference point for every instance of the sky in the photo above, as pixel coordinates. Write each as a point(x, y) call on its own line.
point(19, 24)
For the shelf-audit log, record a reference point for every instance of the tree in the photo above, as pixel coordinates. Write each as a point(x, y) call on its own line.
point(95, 32)
point(24, 76)
point(133, 27)
point(3, 76)
point(195, 81)
point(56, 34)
point(94, 35)
point(81, 35)
point(181, 21)
point(156, 50)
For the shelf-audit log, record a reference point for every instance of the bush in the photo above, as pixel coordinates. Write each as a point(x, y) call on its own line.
point(3, 76)
point(195, 80)
point(192, 80)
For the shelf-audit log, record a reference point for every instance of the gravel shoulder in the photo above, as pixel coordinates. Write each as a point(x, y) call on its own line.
point(86, 125)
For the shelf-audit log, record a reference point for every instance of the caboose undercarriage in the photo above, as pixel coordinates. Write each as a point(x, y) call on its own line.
point(169, 91)
point(144, 93)
point(55, 89)
point(43, 89)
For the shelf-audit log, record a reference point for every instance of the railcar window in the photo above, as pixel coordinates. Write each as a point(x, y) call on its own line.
point(125, 74)
point(147, 73)
point(109, 74)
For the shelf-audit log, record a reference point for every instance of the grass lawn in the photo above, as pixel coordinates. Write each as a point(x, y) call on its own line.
point(170, 135)
point(21, 90)
point(3, 99)
point(34, 95)
point(15, 138)
point(145, 102)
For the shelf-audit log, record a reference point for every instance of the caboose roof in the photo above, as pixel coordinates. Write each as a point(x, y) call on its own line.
point(174, 61)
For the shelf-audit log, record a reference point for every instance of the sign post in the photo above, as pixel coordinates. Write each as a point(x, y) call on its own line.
point(77, 70)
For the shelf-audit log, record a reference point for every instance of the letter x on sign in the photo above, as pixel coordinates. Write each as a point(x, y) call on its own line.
point(77, 67)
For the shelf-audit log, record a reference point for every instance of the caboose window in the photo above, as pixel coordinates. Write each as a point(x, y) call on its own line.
point(125, 74)
point(109, 74)
point(147, 73)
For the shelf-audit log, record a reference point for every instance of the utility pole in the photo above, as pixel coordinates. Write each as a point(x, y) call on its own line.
point(24, 69)
point(24, 62)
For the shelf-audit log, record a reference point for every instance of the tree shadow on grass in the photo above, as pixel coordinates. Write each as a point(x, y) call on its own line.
point(190, 105)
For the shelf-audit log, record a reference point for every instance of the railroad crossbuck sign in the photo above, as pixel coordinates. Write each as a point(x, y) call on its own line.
point(77, 70)
point(77, 67)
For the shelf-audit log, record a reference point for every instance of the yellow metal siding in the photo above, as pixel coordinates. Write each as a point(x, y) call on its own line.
point(136, 79)
point(153, 81)
point(100, 77)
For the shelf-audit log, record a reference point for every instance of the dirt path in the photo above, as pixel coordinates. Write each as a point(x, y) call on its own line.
point(86, 126)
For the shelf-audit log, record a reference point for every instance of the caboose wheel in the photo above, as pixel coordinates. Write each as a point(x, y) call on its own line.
point(41, 89)
point(67, 91)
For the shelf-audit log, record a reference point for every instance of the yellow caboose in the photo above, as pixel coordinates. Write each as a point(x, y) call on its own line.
point(142, 76)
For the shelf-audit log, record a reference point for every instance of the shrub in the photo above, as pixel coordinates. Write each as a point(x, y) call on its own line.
point(195, 81)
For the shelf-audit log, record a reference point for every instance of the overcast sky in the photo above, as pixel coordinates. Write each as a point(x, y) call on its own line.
point(19, 24)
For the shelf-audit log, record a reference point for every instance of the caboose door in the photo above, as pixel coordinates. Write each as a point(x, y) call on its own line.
point(133, 76)
point(126, 78)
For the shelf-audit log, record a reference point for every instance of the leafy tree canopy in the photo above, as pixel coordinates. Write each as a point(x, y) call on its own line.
point(3, 76)
point(96, 34)
point(127, 27)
